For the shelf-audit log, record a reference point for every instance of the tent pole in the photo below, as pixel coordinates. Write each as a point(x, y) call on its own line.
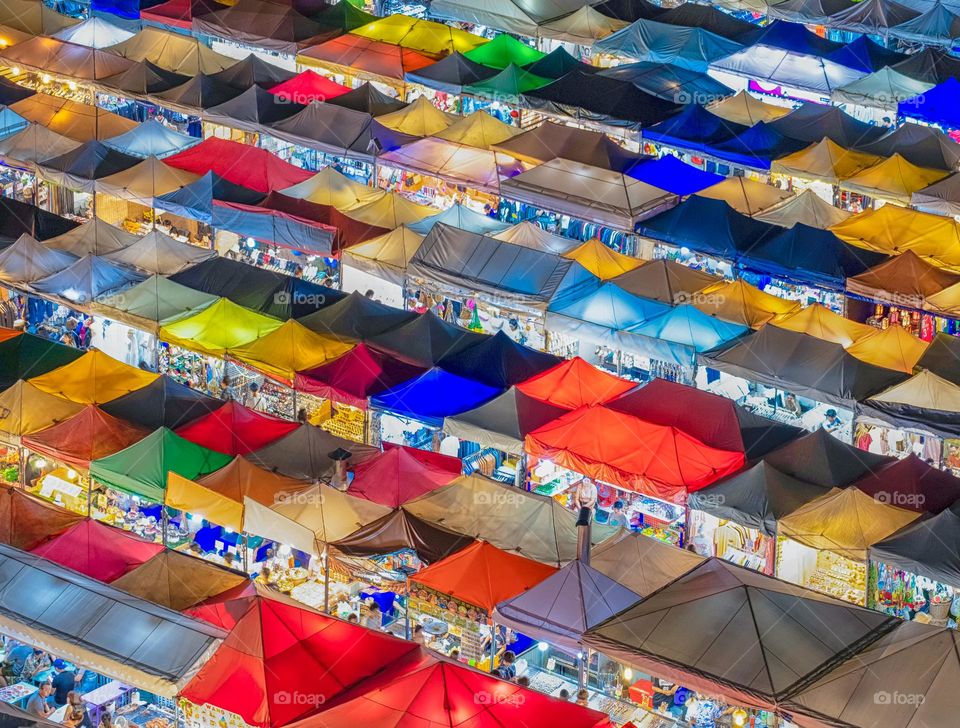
point(493, 643)
point(582, 668)
point(246, 554)
point(326, 579)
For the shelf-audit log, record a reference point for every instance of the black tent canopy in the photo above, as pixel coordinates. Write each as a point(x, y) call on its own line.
point(328, 128)
point(499, 361)
point(425, 340)
point(309, 453)
point(368, 99)
point(144, 78)
point(356, 317)
point(200, 92)
point(451, 74)
point(251, 110)
point(823, 460)
point(162, 403)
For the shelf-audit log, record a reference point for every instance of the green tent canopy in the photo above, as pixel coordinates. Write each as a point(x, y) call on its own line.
point(152, 301)
point(142, 469)
point(24, 356)
point(503, 51)
point(507, 85)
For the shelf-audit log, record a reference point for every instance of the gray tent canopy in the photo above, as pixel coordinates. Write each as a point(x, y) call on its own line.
point(640, 563)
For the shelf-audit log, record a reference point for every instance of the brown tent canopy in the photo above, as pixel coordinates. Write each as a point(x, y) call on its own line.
point(25, 521)
point(401, 530)
point(178, 581)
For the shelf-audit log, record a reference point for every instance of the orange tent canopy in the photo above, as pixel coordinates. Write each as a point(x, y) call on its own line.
point(575, 383)
point(483, 575)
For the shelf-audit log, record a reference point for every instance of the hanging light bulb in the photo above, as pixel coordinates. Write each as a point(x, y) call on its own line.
point(45, 78)
point(627, 674)
point(71, 85)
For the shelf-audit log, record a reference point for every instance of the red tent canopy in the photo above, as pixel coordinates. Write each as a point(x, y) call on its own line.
point(227, 608)
point(912, 484)
point(401, 474)
point(281, 663)
point(97, 550)
point(308, 86)
point(26, 521)
point(353, 377)
point(483, 575)
point(349, 231)
point(241, 164)
point(179, 13)
point(88, 435)
point(575, 383)
point(631, 453)
point(425, 691)
point(236, 430)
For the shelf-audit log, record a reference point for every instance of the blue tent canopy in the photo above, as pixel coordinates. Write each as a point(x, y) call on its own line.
point(757, 146)
point(937, 26)
point(795, 38)
point(433, 395)
point(670, 174)
point(681, 333)
point(611, 307)
point(463, 218)
point(195, 200)
point(673, 83)
point(648, 40)
point(936, 106)
point(151, 139)
point(865, 55)
point(120, 8)
point(694, 129)
point(707, 226)
point(85, 280)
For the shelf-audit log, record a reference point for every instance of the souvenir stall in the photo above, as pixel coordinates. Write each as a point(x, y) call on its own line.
point(823, 545)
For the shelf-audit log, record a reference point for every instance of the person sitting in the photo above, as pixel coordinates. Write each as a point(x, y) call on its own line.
point(37, 705)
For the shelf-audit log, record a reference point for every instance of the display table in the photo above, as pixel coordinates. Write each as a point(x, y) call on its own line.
point(17, 693)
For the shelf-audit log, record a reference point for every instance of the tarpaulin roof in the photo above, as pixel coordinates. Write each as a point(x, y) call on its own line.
point(399, 530)
point(90, 161)
point(275, 644)
point(328, 128)
point(756, 147)
point(892, 179)
point(25, 520)
point(143, 182)
point(681, 332)
point(503, 422)
point(550, 140)
point(306, 453)
point(507, 86)
point(462, 217)
point(98, 550)
point(28, 260)
point(595, 98)
point(483, 575)
point(151, 139)
point(49, 55)
point(865, 55)
point(673, 83)
point(25, 355)
point(820, 458)
point(780, 633)
point(81, 122)
point(33, 143)
point(631, 453)
point(421, 118)
point(925, 401)
point(713, 420)
point(873, 17)
point(196, 200)
point(200, 92)
point(904, 279)
point(88, 435)
point(451, 74)
point(355, 376)
point(574, 383)
point(401, 474)
point(236, 430)
point(938, 25)
point(788, 68)
point(252, 110)
point(746, 196)
point(941, 357)
point(224, 610)
point(426, 36)
point(94, 32)
point(913, 484)
point(142, 469)
point(308, 86)
point(241, 164)
point(845, 521)
point(808, 11)
point(357, 57)
point(825, 161)
point(498, 361)
point(664, 280)
point(693, 128)
point(504, 50)
point(649, 40)
point(330, 187)
point(71, 615)
point(933, 105)
point(670, 174)
point(565, 605)
point(356, 317)
point(86, 279)
point(434, 395)
point(932, 65)
point(289, 349)
point(587, 192)
point(756, 498)
point(583, 27)
point(928, 547)
point(173, 51)
point(530, 235)
point(34, 18)
point(558, 63)
point(941, 198)
point(640, 563)
point(884, 89)
point(368, 99)
point(148, 303)
point(389, 211)
point(802, 364)
point(93, 378)
point(425, 340)
point(793, 37)
point(24, 409)
point(807, 208)
point(275, 27)
point(506, 15)
point(533, 525)
point(325, 514)
point(746, 109)
point(630, 10)
point(178, 581)
point(160, 254)
point(242, 479)
point(164, 403)
point(178, 13)
point(741, 303)
point(218, 327)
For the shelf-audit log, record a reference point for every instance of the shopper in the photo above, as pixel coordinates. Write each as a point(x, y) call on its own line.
point(64, 681)
point(36, 663)
point(37, 704)
point(507, 670)
point(373, 618)
point(76, 715)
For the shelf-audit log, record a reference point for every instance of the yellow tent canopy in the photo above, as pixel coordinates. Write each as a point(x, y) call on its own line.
point(221, 326)
point(946, 301)
point(530, 235)
point(173, 51)
point(94, 378)
point(820, 322)
point(746, 109)
point(425, 36)
point(807, 208)
point(845, 521)
point(387, 255)
point(480, 130)
point(740, 303)
point(892, 179)
point(746, 196)
point(80, 122)
point(329, 187)
point(24, 409)
point(601, 260)
point(924, 390)
point(826, 161)
point(420, 119)
point(891, 230)
point(390, 211)
point(891, 348)
point(329, 513)
point(289, 349)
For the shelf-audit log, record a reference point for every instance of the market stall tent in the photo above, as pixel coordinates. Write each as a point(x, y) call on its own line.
point(24, 409)
point(557, 63)
point(426, 36)
point(389, 211)
point(531, 525)
point(941, 198)
point(26, 521)
point(308, 454)
point(940, 356)
point(425, 340)
point(672, 83)
point(531, 235)
point(86, 279)
point(252, 110)
point(177, 13)
point(289, 349)
point(224, 610)
point(236, 430)
point(551, 140)
point(819, 321)
point(356, 318)
point(746, 109)
point(200, 92)
point(275, 644)
point(883, 89)
point(823, 460)
point(649, 40)
point(94, 237)
point(357, 57)
point(28, 260)
point(90, 161)
point(327, 514)
point(434, 395)
point(241, 164)
point(160, 254)
point(141, 79)
point(151, 139)
point(178, 581)
point(23, 356)
point(330, 187)
point(641, 564)
point(419, 119)
point(693, 129)
point(34, 142)
point(603, 261)
point(80, 122)
point(824, 161)
point(173, 51)
point(97, 550)
point(148, 303)
point(70, 60)
point(893, 179)
point(275, 27)
point(905, 279)
point(451, 74)
point(670, 174)
point(807, 208)
point(308, 86)
point(914, 484)
point(937, 25)
point(505, 15)
point(94, 32)
point(574, 383)
point(746, 196)
point(93, 378)
point(237, 481)
point(164, 403)
point(401, 474)
point(65, 612)
point(583, 27)
point(504, 50)
point(925, 401)
point(88, 435)
point(218, 327)
point(400, 530)
point(462, 217)
point(924, 146)
point(145, 181)
point(740, 303)
point(498, 362)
